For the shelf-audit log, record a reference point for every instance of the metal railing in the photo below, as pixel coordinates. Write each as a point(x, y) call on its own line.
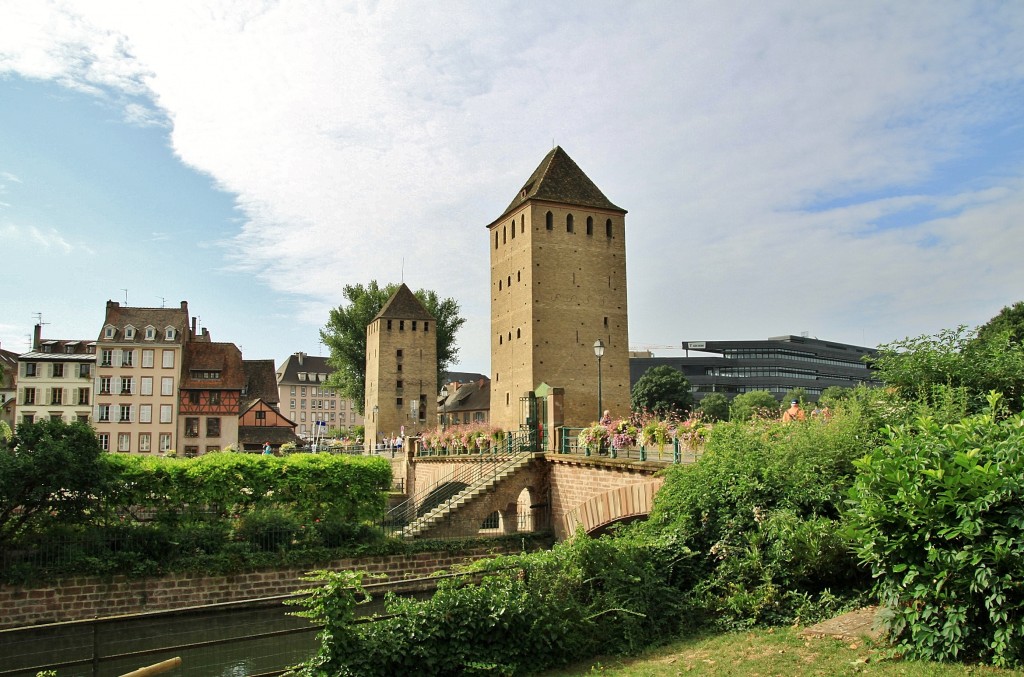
point(672, 452)
point(459, 481)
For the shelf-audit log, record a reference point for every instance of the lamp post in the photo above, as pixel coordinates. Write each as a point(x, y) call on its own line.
point(375, 444)
point(599, 352)
point(444, 406)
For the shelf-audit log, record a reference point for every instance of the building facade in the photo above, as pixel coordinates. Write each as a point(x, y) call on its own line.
point(209, 397)
point(8, 386)
point(558, 285)
point(139, 356)
point(401, 368)
point(55, 380)
point(305, 400)
point(776, 365)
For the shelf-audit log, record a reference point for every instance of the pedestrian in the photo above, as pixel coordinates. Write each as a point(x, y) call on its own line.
point(794, 413)
point(606, 418)
point(267, 450)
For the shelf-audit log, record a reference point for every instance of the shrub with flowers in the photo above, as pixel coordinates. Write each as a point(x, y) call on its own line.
point(655, 431)
point(623, 433)
point(592, 438)
point(692, 432)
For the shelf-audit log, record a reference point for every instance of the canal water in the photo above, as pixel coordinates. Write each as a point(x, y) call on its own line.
point(240, 654)
point(236, 642)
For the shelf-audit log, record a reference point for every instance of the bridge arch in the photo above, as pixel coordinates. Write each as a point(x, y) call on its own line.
point(615, 505)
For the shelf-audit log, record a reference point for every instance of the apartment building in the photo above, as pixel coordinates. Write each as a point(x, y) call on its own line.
point(139, 357)
point(55, 380)
point(8, 386)
point(305, 400)
point(209, 397)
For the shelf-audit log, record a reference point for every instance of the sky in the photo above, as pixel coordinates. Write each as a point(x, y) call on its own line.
point(852, 171)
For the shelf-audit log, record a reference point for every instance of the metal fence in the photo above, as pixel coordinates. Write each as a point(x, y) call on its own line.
point(671, 452)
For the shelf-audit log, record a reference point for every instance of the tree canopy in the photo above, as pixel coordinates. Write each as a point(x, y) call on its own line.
point(714, 407)
point(345, 334)
point(757, 402)
point(975, 361)
point(51, 469)
point(663, 391)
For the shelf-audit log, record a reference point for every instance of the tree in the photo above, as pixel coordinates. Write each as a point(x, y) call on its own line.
point(927, 367)
point(1010, 318)
point(345, 335)
point(663, 391)
point(52, 469)
point(756, 402)
point(714, 407)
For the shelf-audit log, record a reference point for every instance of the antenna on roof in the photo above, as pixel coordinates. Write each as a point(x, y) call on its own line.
point(403, 270)
point(39, 319)
point(163, 301)
point(125, 295)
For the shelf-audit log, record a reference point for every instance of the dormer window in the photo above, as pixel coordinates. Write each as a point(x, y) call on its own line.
point(169, 334)
point(150, 333)
point(108, 332)
point(302, 376)
point(129, 332)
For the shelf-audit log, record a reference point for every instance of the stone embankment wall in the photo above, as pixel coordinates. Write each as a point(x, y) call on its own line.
point(90, 597)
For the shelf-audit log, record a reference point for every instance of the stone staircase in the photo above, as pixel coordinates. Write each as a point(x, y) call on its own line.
point(479, 488)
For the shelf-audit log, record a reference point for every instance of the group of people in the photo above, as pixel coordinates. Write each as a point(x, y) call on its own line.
point(796, 413)
point(394, 442)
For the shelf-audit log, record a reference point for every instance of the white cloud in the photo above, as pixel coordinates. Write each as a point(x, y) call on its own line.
point(356, 135)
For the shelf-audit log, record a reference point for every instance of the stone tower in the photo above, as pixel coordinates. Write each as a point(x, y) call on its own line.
point(401, 368)
point(558, 284)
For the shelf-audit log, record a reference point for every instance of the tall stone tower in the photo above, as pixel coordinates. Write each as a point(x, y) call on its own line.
point(558, 284)
point(401, 368)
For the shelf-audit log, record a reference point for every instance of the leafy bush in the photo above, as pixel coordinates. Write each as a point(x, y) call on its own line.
point(762, 509)
point(519, 614)
point(938, 514)
point(755, 404)
point(269, 530)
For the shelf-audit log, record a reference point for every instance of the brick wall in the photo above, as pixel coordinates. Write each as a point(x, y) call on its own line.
point(88, 597)
point(575, 480)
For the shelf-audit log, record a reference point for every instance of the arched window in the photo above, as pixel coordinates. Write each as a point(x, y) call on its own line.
point(499, 285)
point(608, 228)
point(513, 229)
point(500, 339)
point(568, 223)
point(590, 225)
point(504, 234)
point(522, 224)
point(509, 284)
point(495, 238)
point(519, 276)
point(517, 333)
point(549, 220)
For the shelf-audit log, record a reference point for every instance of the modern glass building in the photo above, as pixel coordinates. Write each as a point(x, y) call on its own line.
point(777, 365)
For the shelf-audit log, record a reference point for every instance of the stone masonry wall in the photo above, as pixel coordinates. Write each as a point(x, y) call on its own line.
point(88, 597)
point(575, 480)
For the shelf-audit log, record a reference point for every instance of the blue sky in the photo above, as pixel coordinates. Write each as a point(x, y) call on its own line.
point(852, 170)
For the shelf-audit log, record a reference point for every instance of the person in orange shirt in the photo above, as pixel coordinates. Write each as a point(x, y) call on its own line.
point(794, 413)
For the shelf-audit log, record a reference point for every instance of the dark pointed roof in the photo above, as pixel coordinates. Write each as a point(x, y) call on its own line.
point(559, 179)
point(403, 305)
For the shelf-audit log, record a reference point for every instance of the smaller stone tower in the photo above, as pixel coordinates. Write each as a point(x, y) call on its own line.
point(401, 369)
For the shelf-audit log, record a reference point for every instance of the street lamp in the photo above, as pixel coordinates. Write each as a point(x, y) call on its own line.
point(444, 406)
point(599, 352)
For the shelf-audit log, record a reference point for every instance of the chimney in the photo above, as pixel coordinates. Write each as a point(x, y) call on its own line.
point(193, 325)
point(37, 337)
point(300, 356)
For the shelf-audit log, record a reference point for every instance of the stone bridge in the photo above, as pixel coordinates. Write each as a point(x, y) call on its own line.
point(565, 492)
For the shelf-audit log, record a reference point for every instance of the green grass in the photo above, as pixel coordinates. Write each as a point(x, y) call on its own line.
point(775, 652)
